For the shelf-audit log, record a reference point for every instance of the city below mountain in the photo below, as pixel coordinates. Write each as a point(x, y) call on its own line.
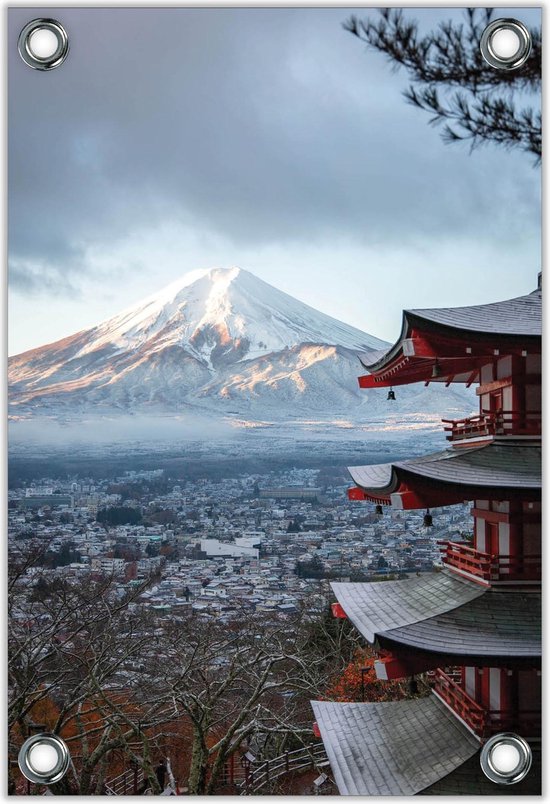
point(219, 343)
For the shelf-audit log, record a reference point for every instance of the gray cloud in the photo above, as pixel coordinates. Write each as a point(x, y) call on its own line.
point(260, 126)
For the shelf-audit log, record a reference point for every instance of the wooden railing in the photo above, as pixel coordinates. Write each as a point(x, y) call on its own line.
point(127, 783)
point(463, 557)
point(487, 567)
point(474, 426)
point(266, 772)
point(491, 423)
point(484, 722)
point(518, 568)
point(526, 722)
point(460, 702)
point(249, 778)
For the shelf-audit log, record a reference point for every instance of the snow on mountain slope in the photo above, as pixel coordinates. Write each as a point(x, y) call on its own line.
point(321, 380)
point(219, 340)
point(212, 309)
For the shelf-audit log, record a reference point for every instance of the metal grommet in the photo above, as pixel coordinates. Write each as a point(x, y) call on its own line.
point(506, 758)
point(43, 61)
point(44, 758)
point(505, 61)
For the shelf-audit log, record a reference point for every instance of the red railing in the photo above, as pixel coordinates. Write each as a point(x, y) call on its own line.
point(484, 722)
point(461, 556)
point(526, 722)
point(517, 568)
point(474, 426)
point(460, 702)
point(491, 423)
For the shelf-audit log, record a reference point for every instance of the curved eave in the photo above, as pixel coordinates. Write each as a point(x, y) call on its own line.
point(442, 614)
point(456, 341)
point(393, 747)
point(408, 370)
point(377, 479)
point(452, 475)
point(376, 608)
point(496, 625)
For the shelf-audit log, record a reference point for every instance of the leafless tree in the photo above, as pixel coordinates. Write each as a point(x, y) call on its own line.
point(68, 646)
point(124, 687)
point(243, 680)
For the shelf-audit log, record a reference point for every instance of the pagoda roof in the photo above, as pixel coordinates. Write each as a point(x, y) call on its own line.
point(460, 473)
point(457, 339)
point(519, 316)
point(379, 607)
point(444, 614)
point(392, 748)
point(469, 780)
point(496, 624)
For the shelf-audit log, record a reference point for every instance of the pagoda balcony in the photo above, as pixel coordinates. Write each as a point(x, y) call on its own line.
point(490, 568)
point(489, 424)
point(484, 722)
point(468, 710)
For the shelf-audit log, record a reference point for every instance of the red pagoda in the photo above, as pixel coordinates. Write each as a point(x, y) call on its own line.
point(475, 624)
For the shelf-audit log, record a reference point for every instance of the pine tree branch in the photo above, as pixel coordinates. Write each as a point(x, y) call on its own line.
point(485, 106)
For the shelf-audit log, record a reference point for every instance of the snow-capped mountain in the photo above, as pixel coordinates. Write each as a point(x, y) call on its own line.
point(220, 341)
point(224, 315)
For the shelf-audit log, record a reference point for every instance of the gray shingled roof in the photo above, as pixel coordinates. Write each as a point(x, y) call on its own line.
point(519, 316)
point(375, 608)
point(392, 748)
point(469, 780)
point(495, 624)
point(373, 476)
point(502, 464)
point(443, 613)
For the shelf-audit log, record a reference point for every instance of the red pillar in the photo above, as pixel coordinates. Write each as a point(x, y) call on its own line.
point(508, 698)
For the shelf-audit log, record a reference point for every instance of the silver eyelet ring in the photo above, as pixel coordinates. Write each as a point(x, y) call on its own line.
point(495, 763)
point(39, 763)
point(48, 62)
point(519, 57)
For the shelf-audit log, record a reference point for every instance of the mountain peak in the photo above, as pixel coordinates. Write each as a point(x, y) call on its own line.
point(206, 308)
point(217, 341)
point(209, 324)
point(215, 276)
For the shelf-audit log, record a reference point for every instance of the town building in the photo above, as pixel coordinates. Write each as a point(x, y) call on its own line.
point(290, 493)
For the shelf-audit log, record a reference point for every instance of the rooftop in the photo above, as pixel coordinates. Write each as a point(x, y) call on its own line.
point(519, 316)
point(374, 748)
point(375, 608)
point(444, 614)
point(499, 464)
point(457, 339)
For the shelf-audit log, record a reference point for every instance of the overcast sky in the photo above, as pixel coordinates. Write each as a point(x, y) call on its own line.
point(176, 139)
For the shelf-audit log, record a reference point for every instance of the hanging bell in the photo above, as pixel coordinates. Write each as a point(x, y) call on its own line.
point(391, 395)
point(436, 370)
point(378, 510)
point(428, 519)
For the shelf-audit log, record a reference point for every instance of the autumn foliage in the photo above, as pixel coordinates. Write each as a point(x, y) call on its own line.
point(358, 682)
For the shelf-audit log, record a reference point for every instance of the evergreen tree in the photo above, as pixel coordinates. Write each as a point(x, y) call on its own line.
point(451, 80)
point(119, 515)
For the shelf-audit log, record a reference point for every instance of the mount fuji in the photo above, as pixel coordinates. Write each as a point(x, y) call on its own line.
point(221, 343)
